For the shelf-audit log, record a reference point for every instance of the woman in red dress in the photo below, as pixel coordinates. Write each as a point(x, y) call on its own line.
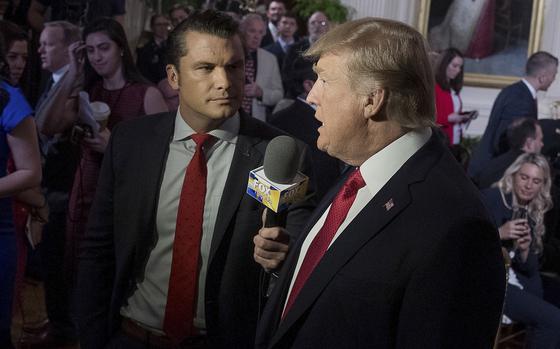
point(449, 82)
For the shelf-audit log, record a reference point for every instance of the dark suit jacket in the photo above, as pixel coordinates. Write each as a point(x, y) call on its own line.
point(276, 49)
point(513, 102)
point(267, 38)
point(495, 168)
point(427, 273)
point(299, 120)
point(122, 233)
point(294, 66)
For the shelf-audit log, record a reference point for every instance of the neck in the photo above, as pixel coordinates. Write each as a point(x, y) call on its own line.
point(533, 81)
point(199, 123)
point(377, 135)
point(115, 81)
point(287, 38)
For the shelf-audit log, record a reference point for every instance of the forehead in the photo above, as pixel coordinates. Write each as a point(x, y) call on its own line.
point(275, 5)
point(97, 38)
point(18, 46)
point(317, 16)
point(212, 48)
point(457, 60)
point(331, 65)
point(531, 170)
point(254, 24)
point(288, 19)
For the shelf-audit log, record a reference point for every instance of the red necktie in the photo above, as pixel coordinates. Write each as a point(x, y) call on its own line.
point(183, 281)
point(338, 212)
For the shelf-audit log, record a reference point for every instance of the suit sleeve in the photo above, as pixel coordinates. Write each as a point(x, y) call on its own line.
point(97, 261)
point(454, 300)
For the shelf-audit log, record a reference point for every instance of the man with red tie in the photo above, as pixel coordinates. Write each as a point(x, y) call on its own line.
point(401, 253)
point(167, 261)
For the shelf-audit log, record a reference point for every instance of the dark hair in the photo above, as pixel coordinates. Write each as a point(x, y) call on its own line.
point(115, 32)
point(176, 7)
point(3, 64)
point(445, 58)
point(519, 130)
point(156, 16)
point(271, 1)
point(289, 14)
point(11, 33)
point(539, 60)
point(207, 22)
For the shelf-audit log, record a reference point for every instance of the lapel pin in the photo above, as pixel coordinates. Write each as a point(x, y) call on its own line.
point(389, 204)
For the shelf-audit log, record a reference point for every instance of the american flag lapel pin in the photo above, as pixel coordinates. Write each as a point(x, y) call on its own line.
point(389, 204)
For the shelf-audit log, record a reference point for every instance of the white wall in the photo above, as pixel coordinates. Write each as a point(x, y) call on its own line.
point(473, 97)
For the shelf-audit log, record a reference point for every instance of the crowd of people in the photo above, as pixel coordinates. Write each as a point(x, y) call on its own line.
point(144, 235)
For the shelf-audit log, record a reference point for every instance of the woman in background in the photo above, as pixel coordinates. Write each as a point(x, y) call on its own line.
point(105, 63)
point(18, 137)
point(518, 204)
point(449, 82)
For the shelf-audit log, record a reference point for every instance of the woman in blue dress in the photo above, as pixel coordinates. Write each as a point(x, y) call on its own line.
point(17, 136)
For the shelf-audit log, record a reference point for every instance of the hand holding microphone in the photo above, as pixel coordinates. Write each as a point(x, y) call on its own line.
point(277, 185)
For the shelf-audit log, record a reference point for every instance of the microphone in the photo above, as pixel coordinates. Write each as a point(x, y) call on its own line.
point(278, 183)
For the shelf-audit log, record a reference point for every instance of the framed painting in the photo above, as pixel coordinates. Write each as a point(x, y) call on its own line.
point(496, 36)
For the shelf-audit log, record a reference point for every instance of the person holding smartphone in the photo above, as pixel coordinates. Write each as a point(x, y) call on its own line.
point(449, 82)
point(518, 203)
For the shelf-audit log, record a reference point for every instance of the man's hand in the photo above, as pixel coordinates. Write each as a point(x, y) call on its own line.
point(271, 246)
point(253, 90)
point(100, 142)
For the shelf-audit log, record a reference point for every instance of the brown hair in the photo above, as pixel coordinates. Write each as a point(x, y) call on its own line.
point(388, 55)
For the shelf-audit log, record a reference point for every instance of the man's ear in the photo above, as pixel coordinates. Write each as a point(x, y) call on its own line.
point(374, 103)
point(172, 76)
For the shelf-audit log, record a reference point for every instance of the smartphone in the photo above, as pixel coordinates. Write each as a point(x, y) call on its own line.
point(473, 114)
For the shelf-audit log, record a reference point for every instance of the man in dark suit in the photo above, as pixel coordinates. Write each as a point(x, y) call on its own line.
point(294, 62)
point(401, 254)
point(514, 101)
point(287, 27)
point(274, 10)
point(524, 135)
point(167, 260)
point(299, 121)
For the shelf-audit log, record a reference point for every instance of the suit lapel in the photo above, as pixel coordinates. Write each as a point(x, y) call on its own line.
point(245, 159)
point(387, 204)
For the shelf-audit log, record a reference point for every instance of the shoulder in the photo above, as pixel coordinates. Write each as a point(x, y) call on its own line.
point(16, 109)
point(264, 55)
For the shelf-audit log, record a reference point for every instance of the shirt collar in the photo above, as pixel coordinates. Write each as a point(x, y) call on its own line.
point(381, 166)
point(227, 131)
point(531, 88)
point(285, 43)
point(57, 75)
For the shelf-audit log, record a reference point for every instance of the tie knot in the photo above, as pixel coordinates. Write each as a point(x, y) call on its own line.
point(354, 182)
point(200, 139)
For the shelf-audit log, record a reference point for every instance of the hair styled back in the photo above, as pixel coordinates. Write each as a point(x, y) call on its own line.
point(115, 32)
point(444, 59)
point(541, 203)
point(70, 32)
point(389, 55)
point(539, 61)
point(206, 22)
point(519, 130)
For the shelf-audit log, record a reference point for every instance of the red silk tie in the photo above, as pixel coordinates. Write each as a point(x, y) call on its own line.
point(183, 280)
point(338, 212)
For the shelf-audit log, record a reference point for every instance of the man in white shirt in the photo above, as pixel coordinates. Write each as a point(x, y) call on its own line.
point(401, 253)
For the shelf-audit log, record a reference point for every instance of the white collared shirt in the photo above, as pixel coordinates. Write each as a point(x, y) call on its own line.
point(376, 171)
point(273, 30)
point(57, 75)
point(531, 88)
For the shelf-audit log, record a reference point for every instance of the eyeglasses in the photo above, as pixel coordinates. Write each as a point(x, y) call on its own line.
point(320, 23)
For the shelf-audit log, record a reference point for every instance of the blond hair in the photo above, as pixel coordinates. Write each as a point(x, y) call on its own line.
point(541, 203)
point(388, 55)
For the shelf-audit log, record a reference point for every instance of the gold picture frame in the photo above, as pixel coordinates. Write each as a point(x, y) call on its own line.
point(490, 77)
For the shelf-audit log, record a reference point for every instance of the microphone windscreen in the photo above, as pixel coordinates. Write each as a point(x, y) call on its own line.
point(281, 160)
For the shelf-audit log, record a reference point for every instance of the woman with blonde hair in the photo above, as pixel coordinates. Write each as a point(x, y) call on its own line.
point(518, 202)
